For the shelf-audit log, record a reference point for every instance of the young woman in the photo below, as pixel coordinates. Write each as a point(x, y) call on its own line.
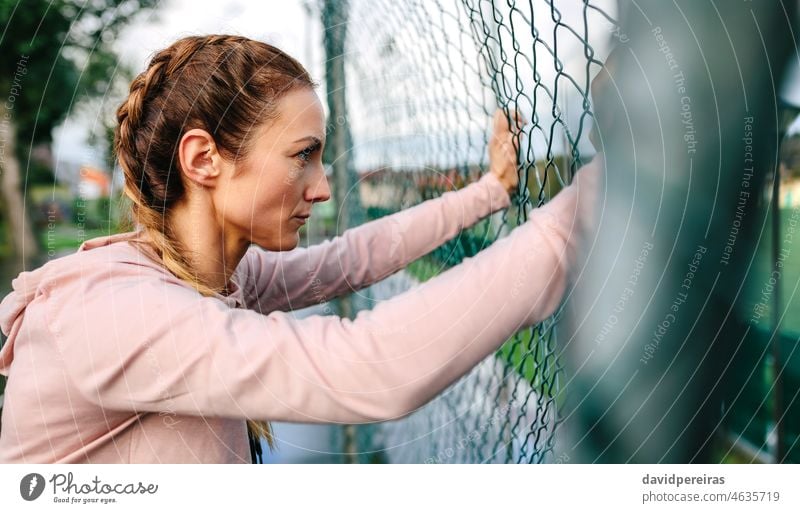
point(166, 343)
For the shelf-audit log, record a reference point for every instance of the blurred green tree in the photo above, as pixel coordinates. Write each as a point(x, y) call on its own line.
point(53, 55)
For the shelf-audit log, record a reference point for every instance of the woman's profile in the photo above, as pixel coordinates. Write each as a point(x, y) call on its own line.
point(170, 342)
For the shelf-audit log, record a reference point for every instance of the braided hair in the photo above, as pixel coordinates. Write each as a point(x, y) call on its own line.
point(218, 83)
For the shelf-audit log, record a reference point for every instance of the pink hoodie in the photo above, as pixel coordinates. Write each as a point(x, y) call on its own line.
point(110, 358)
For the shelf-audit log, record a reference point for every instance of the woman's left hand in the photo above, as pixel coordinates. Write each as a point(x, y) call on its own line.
point(503, 148)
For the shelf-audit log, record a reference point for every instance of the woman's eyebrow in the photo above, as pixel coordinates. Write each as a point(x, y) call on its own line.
point(310, 138)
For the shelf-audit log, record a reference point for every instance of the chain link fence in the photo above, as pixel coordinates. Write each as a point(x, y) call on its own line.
point(423, 79)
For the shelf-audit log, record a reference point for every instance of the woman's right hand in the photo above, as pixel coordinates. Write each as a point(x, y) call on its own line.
point(503, 148)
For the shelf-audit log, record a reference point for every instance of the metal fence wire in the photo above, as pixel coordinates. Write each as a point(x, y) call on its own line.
point(423, 79)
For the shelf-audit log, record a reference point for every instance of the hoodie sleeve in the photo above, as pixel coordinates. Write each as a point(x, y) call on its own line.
point(148, 345)
point(365, 254)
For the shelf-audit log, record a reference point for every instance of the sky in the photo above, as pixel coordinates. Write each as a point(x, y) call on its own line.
point(428, 91)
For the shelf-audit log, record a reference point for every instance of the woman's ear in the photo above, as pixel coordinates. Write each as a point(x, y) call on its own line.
point(199, 159)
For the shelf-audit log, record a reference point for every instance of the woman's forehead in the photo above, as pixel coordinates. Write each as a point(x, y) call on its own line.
point(299, 115)
point(301, 105)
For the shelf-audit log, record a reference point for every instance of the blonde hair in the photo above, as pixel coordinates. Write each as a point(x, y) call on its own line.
point(219, 83)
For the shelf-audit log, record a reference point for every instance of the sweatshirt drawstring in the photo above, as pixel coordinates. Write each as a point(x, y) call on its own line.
point(255, 448)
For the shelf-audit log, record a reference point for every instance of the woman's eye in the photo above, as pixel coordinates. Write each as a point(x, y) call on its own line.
point(305, 155)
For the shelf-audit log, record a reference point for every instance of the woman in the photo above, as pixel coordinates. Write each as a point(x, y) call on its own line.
point(158, 344)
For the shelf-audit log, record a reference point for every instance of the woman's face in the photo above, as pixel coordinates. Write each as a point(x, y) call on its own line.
point(275, 186)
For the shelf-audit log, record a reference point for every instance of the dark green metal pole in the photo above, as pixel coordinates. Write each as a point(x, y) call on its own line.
point(338, 152)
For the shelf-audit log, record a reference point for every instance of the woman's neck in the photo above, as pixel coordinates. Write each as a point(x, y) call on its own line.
point(213, 253)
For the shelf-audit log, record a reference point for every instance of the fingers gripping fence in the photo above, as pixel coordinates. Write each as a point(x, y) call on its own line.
point(423, 80)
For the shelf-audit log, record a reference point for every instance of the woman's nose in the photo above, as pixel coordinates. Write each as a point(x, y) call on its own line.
point(319, 190)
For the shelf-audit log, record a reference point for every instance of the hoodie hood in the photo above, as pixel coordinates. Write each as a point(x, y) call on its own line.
point(25, 288)
point(28, 285)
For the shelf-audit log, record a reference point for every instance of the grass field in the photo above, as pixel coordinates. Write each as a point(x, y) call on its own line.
point(65, 237)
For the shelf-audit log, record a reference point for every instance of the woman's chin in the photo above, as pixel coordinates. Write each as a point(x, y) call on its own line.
point(291, 241)
point(295, 241)
point(287, 243)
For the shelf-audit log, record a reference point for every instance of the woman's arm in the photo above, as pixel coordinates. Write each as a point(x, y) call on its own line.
point(149, 345)
point(365, 254)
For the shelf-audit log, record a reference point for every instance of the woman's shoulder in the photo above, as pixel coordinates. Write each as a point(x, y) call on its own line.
point(101, 271)
point(105, 265)
point(126, 263)
point(108, 284)
point(125, 248)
